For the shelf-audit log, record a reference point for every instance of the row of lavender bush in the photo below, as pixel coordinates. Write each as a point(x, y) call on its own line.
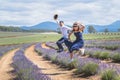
point(104, 44)
point(88, 66)
point(5, 49)
point(103, 54)
point(99, 53)
point(25, 69)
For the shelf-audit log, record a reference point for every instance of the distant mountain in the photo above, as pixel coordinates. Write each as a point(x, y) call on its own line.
point(53, 27)
point(111, 27)
point(43, 26)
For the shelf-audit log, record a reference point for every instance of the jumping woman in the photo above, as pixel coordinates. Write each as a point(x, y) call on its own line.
point(78, 44)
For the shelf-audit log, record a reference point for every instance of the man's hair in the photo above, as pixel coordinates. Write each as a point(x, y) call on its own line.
point(61, 22)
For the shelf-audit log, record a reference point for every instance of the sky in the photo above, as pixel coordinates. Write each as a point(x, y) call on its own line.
point(32, 12)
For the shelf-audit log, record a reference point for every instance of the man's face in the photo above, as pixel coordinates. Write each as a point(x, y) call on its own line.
point(61, 24)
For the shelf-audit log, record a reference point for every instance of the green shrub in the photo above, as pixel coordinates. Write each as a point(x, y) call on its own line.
point(90, 53)
point(110, 75)
point(88, 69)
point(96, 54)
point(112, 47)
point(72, 65)
point(46, 57)
point(38, 52)
point(53, 59)
point(104, 55)
point(116, 57)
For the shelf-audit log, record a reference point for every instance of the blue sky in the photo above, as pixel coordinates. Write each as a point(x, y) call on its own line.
point(31, 12)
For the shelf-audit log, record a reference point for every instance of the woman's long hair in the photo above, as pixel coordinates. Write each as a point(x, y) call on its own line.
point(80, 26)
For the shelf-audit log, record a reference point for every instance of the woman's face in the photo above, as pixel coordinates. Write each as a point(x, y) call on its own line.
point(75, 27)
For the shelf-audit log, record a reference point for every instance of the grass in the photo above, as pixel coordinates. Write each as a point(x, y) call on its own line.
point(110, 75)
point(13, 34)
point(88, 69)
point(29, 39)
point(18, 37)
point(116, 57)
point(96, 54)
point(104, 55)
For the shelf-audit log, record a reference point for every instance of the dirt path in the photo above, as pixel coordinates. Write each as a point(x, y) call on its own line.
point(5, 66)
point(45, 46)
point(50, 69)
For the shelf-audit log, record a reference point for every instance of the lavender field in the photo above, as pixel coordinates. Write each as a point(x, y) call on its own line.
point(31, 32)
point(25, 69)
point(101, 58)
point(100, 62)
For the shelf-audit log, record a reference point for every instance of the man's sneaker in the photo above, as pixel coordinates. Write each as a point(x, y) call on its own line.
point(60, 51)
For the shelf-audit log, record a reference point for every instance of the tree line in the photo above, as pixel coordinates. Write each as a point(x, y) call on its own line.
point(10, 29)
point(18, 29)
point(91, 29)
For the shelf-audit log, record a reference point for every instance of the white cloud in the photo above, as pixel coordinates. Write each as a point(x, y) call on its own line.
point(30, 12)
point(99, 12)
